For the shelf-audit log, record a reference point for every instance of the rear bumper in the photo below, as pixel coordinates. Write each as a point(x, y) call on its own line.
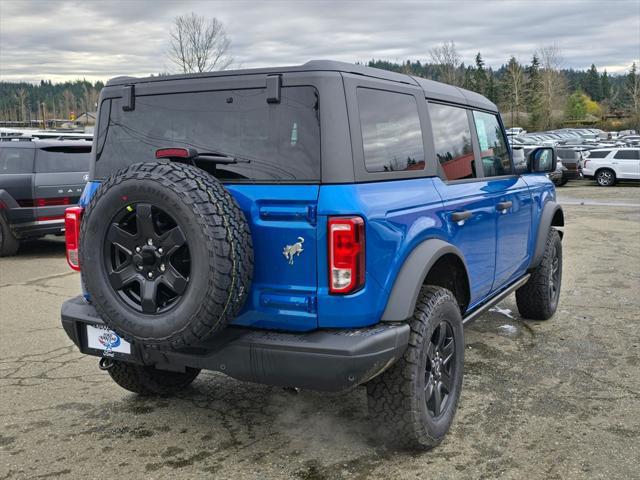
point(38, 228)
point(327, 360)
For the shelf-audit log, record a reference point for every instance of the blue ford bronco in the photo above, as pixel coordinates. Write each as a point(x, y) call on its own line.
point(323, 226)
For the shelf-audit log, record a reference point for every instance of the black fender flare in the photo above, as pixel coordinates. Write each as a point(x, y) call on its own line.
point(414, 270)
point(549, 212)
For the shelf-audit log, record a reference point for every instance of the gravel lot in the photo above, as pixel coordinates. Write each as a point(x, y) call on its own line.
point(555, 399)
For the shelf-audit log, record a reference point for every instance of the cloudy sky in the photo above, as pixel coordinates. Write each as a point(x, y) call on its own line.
point(99, 39)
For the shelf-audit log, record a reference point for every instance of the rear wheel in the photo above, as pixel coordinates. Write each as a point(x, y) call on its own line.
point(606, 177)
point(414, 402)
point(147, 380)
point(8, 242)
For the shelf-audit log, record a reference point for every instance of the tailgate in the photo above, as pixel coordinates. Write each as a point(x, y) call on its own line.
point(283, 226)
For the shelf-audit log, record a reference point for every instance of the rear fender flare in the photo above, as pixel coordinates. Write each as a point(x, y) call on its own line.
point(410, 278)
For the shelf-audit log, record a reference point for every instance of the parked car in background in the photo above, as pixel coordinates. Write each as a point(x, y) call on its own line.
point(39, 179)
point(515, 131)
point(570, 160)
point(608, 166)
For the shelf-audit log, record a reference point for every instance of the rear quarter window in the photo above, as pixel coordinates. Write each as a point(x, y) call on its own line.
point(16, 160)
point(63, 159)
point(627, 155)
point(391, 132)
point(599, 154)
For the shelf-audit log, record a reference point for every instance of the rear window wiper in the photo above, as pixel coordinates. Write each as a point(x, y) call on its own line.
point(193, 155)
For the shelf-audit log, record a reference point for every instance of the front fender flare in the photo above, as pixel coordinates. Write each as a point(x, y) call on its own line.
point(549, 212)
point(408, 282)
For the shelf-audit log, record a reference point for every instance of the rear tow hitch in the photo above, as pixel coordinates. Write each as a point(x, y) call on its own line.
point(105, 363)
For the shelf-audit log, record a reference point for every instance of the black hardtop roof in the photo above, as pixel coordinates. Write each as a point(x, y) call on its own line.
point(432, 89)
point(45, 143)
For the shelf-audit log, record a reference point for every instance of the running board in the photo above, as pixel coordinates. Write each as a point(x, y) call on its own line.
point(495, 299)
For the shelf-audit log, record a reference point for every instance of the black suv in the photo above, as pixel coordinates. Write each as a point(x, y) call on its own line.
point(39, 179)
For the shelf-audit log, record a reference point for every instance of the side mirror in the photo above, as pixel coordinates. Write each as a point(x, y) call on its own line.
point(542, 160)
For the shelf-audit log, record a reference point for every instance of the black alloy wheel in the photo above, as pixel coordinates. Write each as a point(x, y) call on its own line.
point(147, 258)
point(440, 370)
point(554, 277)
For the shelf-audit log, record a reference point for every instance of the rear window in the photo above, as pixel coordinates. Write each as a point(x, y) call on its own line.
point(16, 160)
point(274, 142)
point(627, 154)
point(599, 154)
point(391, 133)
point(63, 159)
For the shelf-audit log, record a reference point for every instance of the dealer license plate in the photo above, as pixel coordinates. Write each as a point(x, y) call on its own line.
point(100, 337)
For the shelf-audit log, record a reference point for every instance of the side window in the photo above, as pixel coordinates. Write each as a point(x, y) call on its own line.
point(63, 159)
point(16, 160)
point(493, 146)
point(391, 133)
point(452, 141)
point(627, 154)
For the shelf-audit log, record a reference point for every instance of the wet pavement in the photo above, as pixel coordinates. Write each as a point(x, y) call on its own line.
point(555, 399)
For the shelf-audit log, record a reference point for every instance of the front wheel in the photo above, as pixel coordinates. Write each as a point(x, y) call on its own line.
point(606, 177)
point(538, 298)
point(148, 380)
point(413, 403)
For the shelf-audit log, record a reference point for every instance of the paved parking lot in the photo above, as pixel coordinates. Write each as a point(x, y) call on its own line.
point(555, 399)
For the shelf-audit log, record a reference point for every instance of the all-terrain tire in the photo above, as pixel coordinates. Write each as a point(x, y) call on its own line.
point(605, 177)
point(219, 247)
point(538, 298)
point(148, 380)
point(9, 244)
point(398, 398)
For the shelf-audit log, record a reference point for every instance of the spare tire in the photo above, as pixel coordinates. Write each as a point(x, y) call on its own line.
point(166, 254)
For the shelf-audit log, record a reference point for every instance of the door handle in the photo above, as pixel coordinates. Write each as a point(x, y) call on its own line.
point(461, 216)
point(504, 206)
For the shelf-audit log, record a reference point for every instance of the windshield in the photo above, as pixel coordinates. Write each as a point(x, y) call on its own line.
point(281, 141)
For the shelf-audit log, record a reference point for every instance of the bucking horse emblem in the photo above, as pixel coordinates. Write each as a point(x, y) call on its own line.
point(290, 250)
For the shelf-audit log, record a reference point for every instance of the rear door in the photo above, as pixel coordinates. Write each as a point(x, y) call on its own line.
point(61, 172)
point(511, 199)
point(627, 163)
point(468, 198)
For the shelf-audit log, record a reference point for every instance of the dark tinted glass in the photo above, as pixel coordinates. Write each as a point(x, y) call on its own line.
point(391, 133)
point(63, 159)
point(627, 154)
point(452, 141)
point(600, 154)
point(16, 160)
point(567, 155)
point(280, 141)
point(493, 145)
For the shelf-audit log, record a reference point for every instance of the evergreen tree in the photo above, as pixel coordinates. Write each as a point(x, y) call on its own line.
point(533, 94)
point(468, 82)
point(593, 87)
point(492, 89)
point(605, 86)
point(480, 76)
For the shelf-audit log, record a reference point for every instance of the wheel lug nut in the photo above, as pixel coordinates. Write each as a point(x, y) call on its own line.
point(139, 267)
point(150, 274)
point(162, 267)
point(149, 241)
point(160, 251)
point(138, 249)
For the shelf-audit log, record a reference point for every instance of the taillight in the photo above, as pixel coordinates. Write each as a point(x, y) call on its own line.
point(173, 153)
point(72, 218)
point(584, 165)
point(346, 254)
point(50, 202)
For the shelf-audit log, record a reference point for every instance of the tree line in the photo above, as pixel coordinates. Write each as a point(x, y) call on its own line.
point(24, 102)
point(539, 95)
